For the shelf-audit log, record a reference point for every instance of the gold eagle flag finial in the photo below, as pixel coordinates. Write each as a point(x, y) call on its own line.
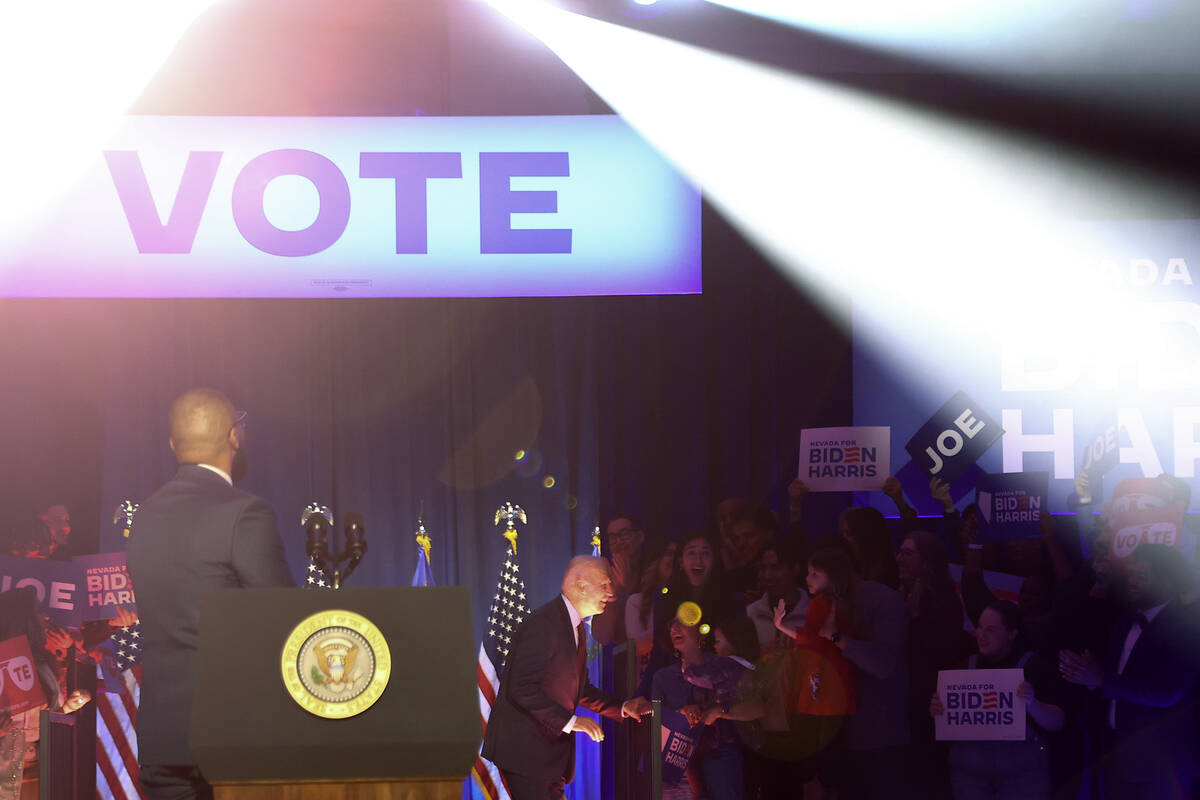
point(124, 516)
point(423, 539)
point(510, 514)
point(596, 537)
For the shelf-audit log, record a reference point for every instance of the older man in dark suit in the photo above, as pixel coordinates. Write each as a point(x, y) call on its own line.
point(1147, 684)
point(529, 731)
point(195, 534)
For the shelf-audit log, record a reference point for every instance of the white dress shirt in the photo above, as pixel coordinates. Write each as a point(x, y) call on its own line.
point(219, 471)
point(575, 620)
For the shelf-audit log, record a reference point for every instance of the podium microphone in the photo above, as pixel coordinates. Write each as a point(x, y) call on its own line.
point(355, 532)
point(316, 520)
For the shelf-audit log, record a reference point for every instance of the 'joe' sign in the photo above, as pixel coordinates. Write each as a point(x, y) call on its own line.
point(953, 439)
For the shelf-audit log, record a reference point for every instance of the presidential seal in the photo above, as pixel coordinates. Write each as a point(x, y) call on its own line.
point(335, 664)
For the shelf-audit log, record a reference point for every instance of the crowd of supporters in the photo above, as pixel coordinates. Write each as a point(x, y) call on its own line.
point(63, 658)
point(808, 660)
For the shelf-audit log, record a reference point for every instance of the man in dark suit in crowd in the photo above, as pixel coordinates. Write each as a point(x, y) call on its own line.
point(529, 732)
point(1146, 683)
point(195, 534)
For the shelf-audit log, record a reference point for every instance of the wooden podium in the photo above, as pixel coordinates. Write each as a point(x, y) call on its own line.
point(254, 741)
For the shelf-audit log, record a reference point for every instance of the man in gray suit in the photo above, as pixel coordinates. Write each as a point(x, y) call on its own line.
point(195, 534)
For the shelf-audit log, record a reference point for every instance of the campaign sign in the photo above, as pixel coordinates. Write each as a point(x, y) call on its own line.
point(57, 583)
point(1010, 504)
point(1103, 451)
point(1161, 524)
point(226, 206)
point(678, 743)
point(106, 585)
point(844, 459)
point(20, 689)
point(981, 705)
point(953, 439)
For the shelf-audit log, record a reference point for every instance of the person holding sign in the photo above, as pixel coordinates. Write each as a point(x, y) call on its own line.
point(1007, 770)
point(21, 625)
point(717, 760)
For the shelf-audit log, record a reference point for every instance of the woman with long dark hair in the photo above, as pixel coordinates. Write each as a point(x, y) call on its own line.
point(698, 580)
point(659, 561)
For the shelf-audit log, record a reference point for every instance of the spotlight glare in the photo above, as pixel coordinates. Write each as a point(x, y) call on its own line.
point(946, 235)
point(82, 63)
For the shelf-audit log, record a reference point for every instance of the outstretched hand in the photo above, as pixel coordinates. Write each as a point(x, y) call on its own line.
point(636, 708)
point(589, 726)
point(1083, 487)
point(796, 492)
point(778, 614)
point(940, 490)
point(1080, 669)
point(892, 488)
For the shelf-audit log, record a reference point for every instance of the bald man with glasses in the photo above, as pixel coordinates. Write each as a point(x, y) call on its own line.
point(195, 534)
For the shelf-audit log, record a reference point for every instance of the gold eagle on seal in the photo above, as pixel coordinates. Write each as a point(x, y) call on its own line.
point(335, 662)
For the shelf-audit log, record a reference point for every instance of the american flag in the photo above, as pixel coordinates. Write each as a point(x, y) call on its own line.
point(116, 716)
point(509, 608)
point(316, 577)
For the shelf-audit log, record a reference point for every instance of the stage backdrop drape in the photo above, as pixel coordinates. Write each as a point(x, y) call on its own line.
point(658, 406)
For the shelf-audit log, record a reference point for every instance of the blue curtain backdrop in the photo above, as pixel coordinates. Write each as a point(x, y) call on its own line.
point(656, 405)
point(659, 406)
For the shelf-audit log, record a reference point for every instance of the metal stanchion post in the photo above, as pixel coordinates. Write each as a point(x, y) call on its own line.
point(655, 754)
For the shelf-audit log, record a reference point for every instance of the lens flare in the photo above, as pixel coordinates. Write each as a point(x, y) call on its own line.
point(689, 613)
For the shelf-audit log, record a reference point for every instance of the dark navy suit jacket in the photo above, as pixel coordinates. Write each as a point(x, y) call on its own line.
point(542, 684)
point(1155, 730)
point(195, 534)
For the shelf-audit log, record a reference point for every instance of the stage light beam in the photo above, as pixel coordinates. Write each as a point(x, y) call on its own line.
point(946, 235)
point(73, 67)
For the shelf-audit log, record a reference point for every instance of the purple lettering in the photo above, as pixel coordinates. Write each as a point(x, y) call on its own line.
point(150, 235)
point(332, 215)
point(411, 171)
point(497, 202)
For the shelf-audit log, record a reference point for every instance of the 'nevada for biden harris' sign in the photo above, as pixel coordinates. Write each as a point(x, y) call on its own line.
point(366, 207)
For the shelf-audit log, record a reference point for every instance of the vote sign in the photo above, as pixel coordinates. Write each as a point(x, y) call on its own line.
point(1010, 504)
point(20, 689)
point(980, 705)
point(1132, 527)
point(953, 439)
point(57, 584)
point(844, 459)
